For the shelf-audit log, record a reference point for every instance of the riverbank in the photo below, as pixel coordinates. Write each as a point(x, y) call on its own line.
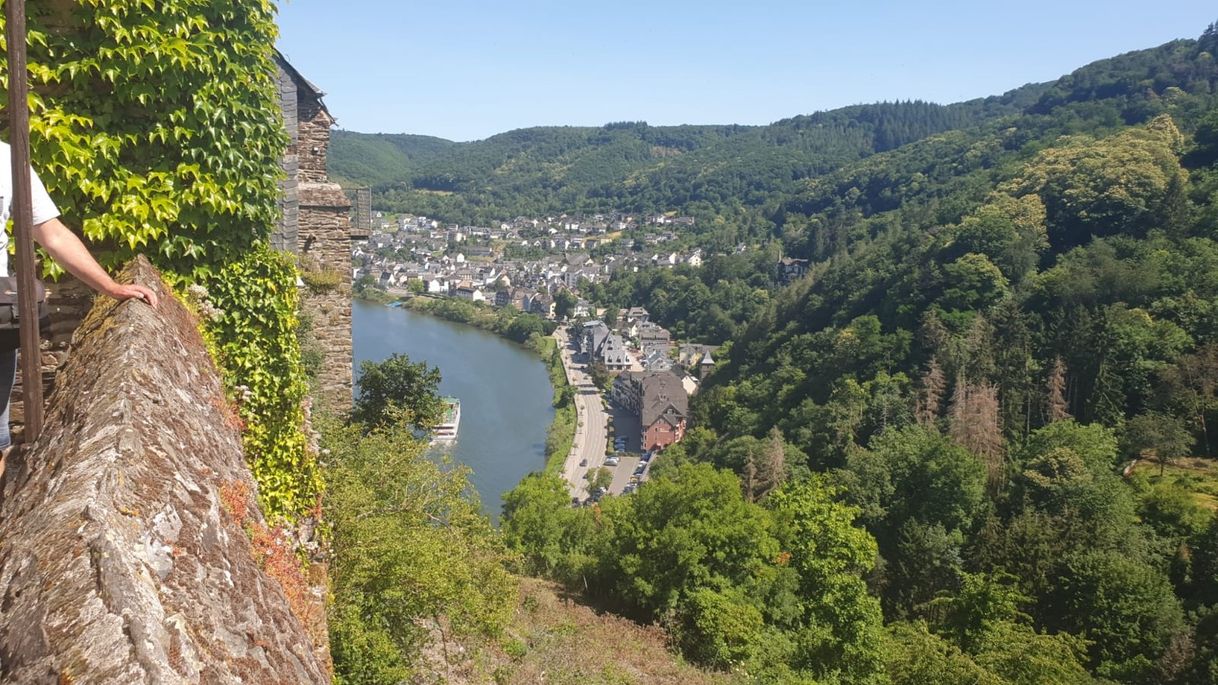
point(561, 436)
point(514, 325)
point(505, 390)
point(529, 330)
point(374, 295)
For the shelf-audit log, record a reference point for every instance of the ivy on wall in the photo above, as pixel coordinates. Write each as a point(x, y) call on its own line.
point(252, 326)
point(156, 127)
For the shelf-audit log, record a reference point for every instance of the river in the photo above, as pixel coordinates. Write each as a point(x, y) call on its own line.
point(504, 390)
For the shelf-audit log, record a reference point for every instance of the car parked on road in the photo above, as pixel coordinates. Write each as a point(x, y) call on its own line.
point(612, 461)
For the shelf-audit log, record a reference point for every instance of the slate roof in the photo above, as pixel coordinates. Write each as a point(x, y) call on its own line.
point(595, 337)
point(298, 77)
point(663, 395)
point(614, 352)
point(653, 333)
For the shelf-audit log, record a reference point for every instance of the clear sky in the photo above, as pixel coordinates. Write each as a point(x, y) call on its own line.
point(464, 70)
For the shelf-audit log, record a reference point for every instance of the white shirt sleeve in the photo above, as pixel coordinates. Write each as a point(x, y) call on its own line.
point(43, 206)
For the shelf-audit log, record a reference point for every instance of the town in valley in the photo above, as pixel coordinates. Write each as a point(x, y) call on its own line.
point(632, 379)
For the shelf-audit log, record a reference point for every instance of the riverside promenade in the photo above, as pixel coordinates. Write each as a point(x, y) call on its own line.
point(592, 421)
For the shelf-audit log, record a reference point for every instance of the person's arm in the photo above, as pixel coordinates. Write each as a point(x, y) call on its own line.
point(67, 250)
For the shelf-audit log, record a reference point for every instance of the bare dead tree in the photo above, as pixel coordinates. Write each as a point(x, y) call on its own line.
point(930, 396)
point(773, 471)
point(1056, 407)
point(974, 423)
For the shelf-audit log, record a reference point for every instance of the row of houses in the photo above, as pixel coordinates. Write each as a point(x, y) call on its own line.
point(419, 248)
point(592, 224)
point(654, 379)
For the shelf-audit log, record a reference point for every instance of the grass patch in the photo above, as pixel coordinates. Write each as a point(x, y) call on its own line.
point(321, 280)
point(1196, 475)
point(561, 434)
point(555, 639)
point(375, 295)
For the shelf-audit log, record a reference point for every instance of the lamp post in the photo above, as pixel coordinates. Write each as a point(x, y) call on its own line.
point(23, 215)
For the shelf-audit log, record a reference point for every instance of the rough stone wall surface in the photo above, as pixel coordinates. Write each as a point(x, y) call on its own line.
point(314, 139)
point(123, 557)
point(68, 300)
point(325, 246)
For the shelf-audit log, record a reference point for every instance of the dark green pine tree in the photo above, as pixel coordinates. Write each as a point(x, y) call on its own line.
point(1209, 39)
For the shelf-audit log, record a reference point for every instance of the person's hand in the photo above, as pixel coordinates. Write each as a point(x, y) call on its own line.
point(127, 292)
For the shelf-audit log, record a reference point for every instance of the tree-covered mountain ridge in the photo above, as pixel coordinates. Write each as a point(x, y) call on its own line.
point(709, 170)
point(632, 164)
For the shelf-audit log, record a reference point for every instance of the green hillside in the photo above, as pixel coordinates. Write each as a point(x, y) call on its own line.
point(374, 159)
point(636, 167)
point(975, 442)
point(710, 170)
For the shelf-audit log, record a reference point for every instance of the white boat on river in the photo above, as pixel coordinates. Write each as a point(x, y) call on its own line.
point(445, 432)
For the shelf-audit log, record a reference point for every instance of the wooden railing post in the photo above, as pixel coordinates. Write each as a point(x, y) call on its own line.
point(23, 216)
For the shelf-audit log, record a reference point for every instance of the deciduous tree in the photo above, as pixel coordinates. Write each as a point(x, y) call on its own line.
point(397, 390)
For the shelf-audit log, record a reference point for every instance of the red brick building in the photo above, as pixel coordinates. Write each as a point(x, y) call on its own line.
point(660, 401)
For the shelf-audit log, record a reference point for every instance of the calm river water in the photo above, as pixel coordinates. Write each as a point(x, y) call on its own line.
point(504, 390)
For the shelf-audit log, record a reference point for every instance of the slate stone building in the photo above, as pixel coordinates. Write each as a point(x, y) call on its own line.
point(659, 400)
point(316, 225)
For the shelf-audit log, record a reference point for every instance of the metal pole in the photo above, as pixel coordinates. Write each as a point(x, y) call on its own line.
point(23, 215)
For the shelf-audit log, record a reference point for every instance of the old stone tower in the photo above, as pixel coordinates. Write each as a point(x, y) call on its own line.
point(316, 225)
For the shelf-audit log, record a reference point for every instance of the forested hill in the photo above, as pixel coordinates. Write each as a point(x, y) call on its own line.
point(374, 159)
point(636, 167)
point(1002, 367)
point(713, 171)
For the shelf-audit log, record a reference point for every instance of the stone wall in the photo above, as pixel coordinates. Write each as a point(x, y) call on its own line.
point(325, 257)
point(313, 144)
point(320, 214)
point(68, 300)
point(125, 552)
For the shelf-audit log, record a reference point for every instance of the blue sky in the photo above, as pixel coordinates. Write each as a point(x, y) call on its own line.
point(465, 70)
